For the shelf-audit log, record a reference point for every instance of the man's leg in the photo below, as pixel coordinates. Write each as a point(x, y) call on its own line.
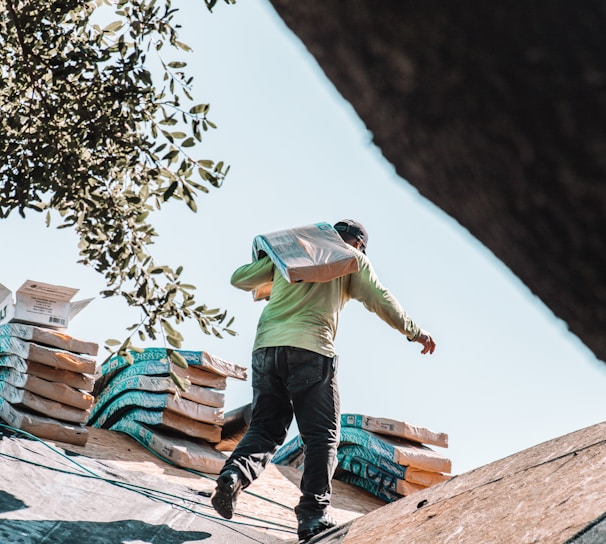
point(313, 386)
point(270, 420)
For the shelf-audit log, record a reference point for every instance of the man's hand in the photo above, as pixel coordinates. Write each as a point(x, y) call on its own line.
point(428, 344)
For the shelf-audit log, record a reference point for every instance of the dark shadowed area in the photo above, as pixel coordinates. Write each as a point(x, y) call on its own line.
point(495, 113)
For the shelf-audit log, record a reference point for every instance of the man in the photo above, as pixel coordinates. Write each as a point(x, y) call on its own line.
point(294, 368)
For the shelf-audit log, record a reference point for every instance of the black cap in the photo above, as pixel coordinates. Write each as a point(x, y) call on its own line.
point(355, 229)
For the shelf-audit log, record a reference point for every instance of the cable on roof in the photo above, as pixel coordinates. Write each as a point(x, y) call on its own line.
point(202, 475)
point(142, 490)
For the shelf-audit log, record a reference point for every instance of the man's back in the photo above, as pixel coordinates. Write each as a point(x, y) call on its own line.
point(306, 315)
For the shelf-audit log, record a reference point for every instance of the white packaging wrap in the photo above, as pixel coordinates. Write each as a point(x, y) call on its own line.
point(312, 253)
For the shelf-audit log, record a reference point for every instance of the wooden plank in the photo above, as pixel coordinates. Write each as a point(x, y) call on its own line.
point(104, 415)
point(202, 395)
point(10, 345)
point(172, 422)
point(42, 405)
point(220, 366)
point(381, 482)
point(49, 337)
point(129, 380)
point(197, 359)
point(235, 424)
point(191, 427)
point(200, 377)
point(77, 380)
point(391, 427)
point(85, 382)
point(63, 360)
point(193, 410)
point(54, 391)
point(425, 477)
point(182, 452)
point(41, 426)
point(119, 368)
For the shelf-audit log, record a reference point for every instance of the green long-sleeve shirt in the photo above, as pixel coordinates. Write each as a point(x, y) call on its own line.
point(306, 315)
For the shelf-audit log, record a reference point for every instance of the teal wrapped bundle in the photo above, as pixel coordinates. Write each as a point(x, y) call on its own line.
point(365, 455)
point(127, 379)
point(197, 359)
point(371, 487)
point(42, 426)
point(181, 452)
point(366, 470)
point(56, 358)
point(13, 361)
point(387, 466)
point(400, 451)
point(48, 337)
point(399, 429)
point(289, 452)
point(141, 388)
point(385, 480)
point(130, 400)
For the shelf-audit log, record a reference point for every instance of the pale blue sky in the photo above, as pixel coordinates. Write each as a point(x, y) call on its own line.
point(506, 373)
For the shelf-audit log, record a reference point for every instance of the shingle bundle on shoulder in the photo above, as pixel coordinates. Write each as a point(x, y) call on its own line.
point(390, 459)
point(141, 399)
point(46, 382)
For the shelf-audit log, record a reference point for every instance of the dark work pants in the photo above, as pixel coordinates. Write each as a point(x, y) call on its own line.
point(289, 380)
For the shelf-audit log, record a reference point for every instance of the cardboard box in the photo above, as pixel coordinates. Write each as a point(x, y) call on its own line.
point(7, 308)
point(47, 305)
point(313, 253)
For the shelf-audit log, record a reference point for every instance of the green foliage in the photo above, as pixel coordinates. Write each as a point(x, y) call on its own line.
point(88, 132)
point(210, 4)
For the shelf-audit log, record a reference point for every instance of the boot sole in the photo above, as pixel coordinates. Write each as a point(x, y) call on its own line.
point(308, 535)
point(222, 500)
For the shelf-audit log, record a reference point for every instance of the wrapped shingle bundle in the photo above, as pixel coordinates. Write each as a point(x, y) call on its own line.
point(384, 457)
point(139, 397)
point(46, 382)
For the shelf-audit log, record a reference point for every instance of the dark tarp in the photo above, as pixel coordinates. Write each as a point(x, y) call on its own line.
point(48, 495)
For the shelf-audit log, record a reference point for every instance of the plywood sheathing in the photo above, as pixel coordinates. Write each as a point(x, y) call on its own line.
point(544, 494)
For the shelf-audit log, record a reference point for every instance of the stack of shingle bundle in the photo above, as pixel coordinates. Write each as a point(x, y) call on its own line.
point(46, 382)
point(390, 459)
point(140, 398)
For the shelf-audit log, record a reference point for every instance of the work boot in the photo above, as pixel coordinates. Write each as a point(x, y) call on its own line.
point(225, 495)
point(309, 527)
